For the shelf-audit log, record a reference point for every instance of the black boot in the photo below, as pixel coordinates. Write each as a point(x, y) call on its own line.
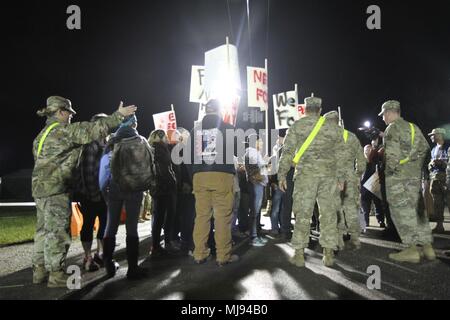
point(111, 266)
point(134, 271)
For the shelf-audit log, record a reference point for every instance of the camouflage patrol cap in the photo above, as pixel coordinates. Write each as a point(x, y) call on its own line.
point(313, 102)
point(437, 131)
point(55, 103)
point(390, 105)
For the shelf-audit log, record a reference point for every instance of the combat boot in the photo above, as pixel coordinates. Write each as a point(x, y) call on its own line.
point(428, 252)
point(299, 258)
point(40, 274)
point(354, 242)
point(410, 254)
point(328, 257)
point(57, 279)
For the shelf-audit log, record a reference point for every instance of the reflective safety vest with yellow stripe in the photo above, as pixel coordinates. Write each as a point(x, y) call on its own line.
point(44, 136)
point(309, 140)
point(413, 133)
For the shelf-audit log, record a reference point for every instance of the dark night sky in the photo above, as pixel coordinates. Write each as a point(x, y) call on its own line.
point(142, 51)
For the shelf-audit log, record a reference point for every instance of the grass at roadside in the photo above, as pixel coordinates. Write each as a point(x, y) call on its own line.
point(17, 229)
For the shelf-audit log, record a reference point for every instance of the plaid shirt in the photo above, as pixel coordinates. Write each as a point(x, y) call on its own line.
point(90, 167)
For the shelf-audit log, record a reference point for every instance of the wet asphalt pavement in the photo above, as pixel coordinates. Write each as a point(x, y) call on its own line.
point(265, 274)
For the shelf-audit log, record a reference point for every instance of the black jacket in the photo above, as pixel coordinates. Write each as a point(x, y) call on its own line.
point(164, 174)
point(203, 146)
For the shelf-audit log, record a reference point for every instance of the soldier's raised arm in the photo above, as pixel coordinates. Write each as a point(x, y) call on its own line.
point(85, 132)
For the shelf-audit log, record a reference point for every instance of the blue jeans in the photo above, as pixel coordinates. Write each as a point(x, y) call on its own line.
point(117, 199)
point(277, 208)
point(256, 198)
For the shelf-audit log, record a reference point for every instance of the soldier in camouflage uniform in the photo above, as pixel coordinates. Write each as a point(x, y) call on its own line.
point(355, 164)
point(56, 151)
point(405, 150)
point(315, 179)
point(437, 168)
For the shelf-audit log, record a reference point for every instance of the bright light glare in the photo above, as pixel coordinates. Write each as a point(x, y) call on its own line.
point(367, 124)
point(226, 90)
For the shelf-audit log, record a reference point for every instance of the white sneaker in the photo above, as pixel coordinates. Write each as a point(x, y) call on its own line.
point(257, 242)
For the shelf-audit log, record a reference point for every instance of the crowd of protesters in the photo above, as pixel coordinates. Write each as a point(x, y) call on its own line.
point(197, 208)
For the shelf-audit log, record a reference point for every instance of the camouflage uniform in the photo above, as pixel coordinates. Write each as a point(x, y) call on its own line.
point(354, 165)
point(438, 177)
point(51, 179)
point(315, 176)
point(403, 181)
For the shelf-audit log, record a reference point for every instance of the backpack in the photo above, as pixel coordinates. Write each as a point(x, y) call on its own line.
point(131, 164)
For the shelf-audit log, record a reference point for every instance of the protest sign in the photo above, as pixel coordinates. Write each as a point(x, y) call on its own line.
point(257, 88)
point(197, 93)
point(222, 80)
point(165, 121)
point(285, 109)
point(373, 185)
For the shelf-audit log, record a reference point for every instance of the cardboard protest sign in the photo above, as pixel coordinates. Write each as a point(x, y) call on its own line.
point(222, 80)
point(165, 121)
point(373, 185)
point(257, 90)
point(201, 111)
point(229, 114)
point(197, 93)
point(285, 109)
point(301, 110)
point(222, 71)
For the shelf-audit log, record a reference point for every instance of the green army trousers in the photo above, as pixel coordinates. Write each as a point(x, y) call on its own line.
point(52, 239)
point(411, 222)
point(348, 219)
point(441, 198)
point(308, 189)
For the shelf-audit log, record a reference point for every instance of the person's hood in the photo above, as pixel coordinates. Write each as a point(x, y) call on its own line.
point(211, 121)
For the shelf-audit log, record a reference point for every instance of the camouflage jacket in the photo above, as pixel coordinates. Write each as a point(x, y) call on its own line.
point(322, 158)
point(397, 147)
point(60, 153)
point(353, 156)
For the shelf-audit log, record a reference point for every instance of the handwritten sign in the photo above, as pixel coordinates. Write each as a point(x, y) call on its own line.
point(165, 121)
point(257, 88)
point(286, 109)
point(197, 93)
